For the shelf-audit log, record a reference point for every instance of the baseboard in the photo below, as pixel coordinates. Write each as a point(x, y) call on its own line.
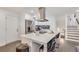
point(10, 43)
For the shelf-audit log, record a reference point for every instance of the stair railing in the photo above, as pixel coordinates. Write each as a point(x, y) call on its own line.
point(77, 20)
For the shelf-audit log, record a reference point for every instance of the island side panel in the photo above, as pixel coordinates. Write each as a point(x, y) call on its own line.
point(45, 47)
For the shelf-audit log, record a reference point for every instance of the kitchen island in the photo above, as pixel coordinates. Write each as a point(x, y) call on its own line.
point(39, 39)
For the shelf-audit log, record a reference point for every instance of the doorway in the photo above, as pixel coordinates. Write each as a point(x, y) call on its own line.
point(11, 29)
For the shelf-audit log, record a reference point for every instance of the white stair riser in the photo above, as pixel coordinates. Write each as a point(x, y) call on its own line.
point(73, 33)
point(72, 29)
point(74, 38)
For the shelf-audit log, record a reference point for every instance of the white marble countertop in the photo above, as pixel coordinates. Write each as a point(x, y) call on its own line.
point(40, 38)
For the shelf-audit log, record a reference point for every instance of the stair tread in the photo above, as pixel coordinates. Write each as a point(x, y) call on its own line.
point(73, 35)
point(75, 38)
point(72, 29)
point(72, 40)
point(71, 26)
point(73, 32)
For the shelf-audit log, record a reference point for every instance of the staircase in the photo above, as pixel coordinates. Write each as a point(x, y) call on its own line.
point(73, 33)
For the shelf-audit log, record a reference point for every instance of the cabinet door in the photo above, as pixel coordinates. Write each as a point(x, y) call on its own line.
point(12, 30)
point(2, 29)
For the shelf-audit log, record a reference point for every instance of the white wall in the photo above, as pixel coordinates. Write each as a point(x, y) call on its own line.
point(52, 20)
point(52, 23)
point(22, 24)
point(60, 21)
point(3, 14)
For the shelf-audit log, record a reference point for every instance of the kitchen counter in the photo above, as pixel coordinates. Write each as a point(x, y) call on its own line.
point(41, 39)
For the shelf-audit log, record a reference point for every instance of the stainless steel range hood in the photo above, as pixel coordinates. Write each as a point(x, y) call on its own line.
point(42, 13)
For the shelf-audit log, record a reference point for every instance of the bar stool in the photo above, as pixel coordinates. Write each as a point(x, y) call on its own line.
point(41, 49)
point(22, 48)
point(57, 40)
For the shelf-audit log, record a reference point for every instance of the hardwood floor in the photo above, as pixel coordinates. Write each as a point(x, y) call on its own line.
point(11, 47)
point(65, 46)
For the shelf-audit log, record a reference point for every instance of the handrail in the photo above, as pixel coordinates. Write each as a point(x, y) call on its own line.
point(77, 20)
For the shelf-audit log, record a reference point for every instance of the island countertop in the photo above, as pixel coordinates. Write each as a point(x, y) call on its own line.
point(41, 38)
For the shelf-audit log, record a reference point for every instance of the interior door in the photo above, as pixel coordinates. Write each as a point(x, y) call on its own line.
point(12, 29)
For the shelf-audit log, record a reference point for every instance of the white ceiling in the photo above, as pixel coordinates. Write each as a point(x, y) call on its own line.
point(58, 11)
point(54, 11)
